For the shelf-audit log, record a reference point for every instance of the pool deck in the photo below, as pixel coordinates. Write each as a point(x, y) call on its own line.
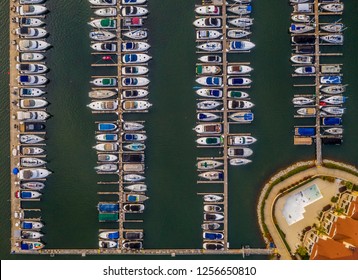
point(312, 210)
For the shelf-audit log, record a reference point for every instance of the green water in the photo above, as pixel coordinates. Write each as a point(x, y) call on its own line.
point(174, 211)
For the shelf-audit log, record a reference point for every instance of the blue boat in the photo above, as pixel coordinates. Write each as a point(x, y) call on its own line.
point(243, 117)
point(31, 225)
point(305, 131)
point(107, 137)
point(31, 245)
point(107, 126)
point(210, 81)
point(108, 207)
point(109, 235)
point(207, 117)
point(332, 121)
point(213, 235)
point(135, 147)
point(134, 137)
point(331, 80)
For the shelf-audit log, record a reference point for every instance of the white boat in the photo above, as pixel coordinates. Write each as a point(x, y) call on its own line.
point(33, 173)
point(208, 10)
point(31, 92)
point(31, 10)
point(240, 9)
point(210, 58)
point(241, 22)
point(32, 45)
point(302, 100)
point(31, 68)
point(238, 33)
point(210, 46)
point(214, 128)
point(108, 234)
point(32, 103)
point(241, 45)
point(212, 198)
point(30, 224)
point(136, 188)
point(302, 59)
point(207, 69)
point(210, 226)
point(212, 93)
point(239, 152)
point(104, 47)
point(298, 1)
point(212, 175)
point(133, 11)
point(29, 21)
point(207, 117)
point(29, 234)
point(336, 39)
point(133, 2)
point(208, 105)
point(241, 140)
point(334, 8)
point(133, 178)
point(333, 27)
point(299, 28)
point(239, 69)
point(237, 94)
point(240, 104)
point(107, 157)
point(135, 147)
point(110, 105)
point(135, 58)
point(210, 81)
point(106, 147)
point(335, 100)
point(103, 2)
point(31, 32)
point(135, 46)
point(30, 139)
point(31, 162)
point(29, 57)
point(31, 150)
point(134, 137)
point(239, 161)
point(107, 137)
point(307, 111)
point(139, 105)
point(105, 23)
point(32, 115)
point(209, 141)
point(137, 34)
point(333, 110)
point(131, 126)
point(134, 70)
point(207, 22)
point(102, 35)
point(204, 34)
point(32, 185)
point(106, 12)
point(212, 208)
point(104, 82)
point(107, 244)
point(208, 164)
point(101, 94)
point(303, 70)
point(213, 217)
point(242, 117)
point(135, 82)
point(301, 18)
point(135, 93)
point(333, 89)
point(238, 81)
point(334, 130)
point(27, 194)
point(108, 167)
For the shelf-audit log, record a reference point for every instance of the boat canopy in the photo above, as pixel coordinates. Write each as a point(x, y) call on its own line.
point(110, 217)
point(113, 235)
point(107, 22)
point(306, 131)
point(108, 208)
point(26, 225)
point(24, 79)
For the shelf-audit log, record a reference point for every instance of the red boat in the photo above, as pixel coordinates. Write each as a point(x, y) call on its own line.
point(106, 57)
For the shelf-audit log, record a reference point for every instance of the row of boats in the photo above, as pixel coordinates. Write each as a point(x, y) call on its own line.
point(118, 36)
point(221, 91)
point(31, 115)
point(330, 100)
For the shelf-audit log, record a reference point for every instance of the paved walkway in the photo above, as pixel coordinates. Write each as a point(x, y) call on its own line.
point(314, 171)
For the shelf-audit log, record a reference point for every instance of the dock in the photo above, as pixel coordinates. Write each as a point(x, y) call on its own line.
point(321, 70)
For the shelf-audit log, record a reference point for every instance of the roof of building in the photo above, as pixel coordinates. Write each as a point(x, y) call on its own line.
point(345, 230)
point(332, 250)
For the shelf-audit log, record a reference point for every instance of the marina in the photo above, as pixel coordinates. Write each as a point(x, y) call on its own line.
point(250, 183)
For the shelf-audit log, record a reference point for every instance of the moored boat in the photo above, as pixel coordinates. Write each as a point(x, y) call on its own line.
point(208, 164)
point(211, 93)
point(207, 22)
point(207, 34)
point(210, 226)
point(107, 244)
point(137, 34)
point(32, 103)
point(304, 70)
point(336, 39)
point(212, 175)
point(241, 140)
point(32, 115)
point(102, 35)
point(31, 10)
point(29, 57)
point(33, 173)
point(109, 235)
point(101, 94)
point(31, 225)
point(298, 28)
point(32, 185)
point(30, 245)
point(31, 162)
point(132, 126)
point(241, 22)
point(210, 81)
point(31, 32)
point(110, 105)
point(104, 47)
point(105, 23)
point(30, 139)
point(210, 46)
point(27, 194)
point(239, 69)
point(240, 104)
point(30, 234)
point(240, 9)
point(238, 81)
point(215, 246)
point(133, 198)
point(242, 117)
point(237, 94)
point(333, 110)
point(207, 117)
point(207, 10)
point(106, 12)
point(334, 7)
point(239, 161)
point(103, 2)
point(136, 188)
point(213, 217)
point(133, 11)
point(107, 137)
point(210, 58)
point(302, 100)
point(239, 152)
point(32, 80)
point(28, 21)
point(336, 89)
point(212, 208)
point(107, 167)
point(135, 147)
point(302, 59)
point(241, 45)
point(208, 128)
point(133, 178)
point(107, 126)
point(136, 105)
point(31, 92)
point(106, 147)
point(104, 82)
point(134, 93)
point(212, 198)
point(209, 141)
point(32, 45)
point(107, 157)
point(238, 33)
point(334, 130)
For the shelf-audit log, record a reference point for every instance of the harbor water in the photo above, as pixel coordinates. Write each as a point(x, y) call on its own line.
point(174, 212)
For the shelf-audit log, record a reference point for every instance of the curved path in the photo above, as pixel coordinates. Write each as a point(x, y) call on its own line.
point(274, 193)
